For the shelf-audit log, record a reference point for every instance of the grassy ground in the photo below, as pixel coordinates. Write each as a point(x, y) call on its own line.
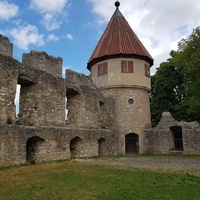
point(69, 180)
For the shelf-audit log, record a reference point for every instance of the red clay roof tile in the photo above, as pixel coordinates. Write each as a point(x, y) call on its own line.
point(119, 40)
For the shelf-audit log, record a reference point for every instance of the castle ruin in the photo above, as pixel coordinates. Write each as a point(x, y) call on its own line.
point(108, 111)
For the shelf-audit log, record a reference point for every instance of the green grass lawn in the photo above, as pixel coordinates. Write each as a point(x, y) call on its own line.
point(69, 180)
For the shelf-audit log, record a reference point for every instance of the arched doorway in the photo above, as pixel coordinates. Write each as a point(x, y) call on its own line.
point(32, 148)
point(101, 147)
point(177, 137)
point(131, 144)
point(76, 147)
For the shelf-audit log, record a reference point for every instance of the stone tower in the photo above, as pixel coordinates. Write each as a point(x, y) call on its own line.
point(120, 68)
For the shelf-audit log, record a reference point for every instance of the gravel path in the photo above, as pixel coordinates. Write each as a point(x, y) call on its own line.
point(168, 163)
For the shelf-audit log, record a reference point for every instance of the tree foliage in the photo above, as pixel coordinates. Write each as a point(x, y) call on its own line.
point(175, 85)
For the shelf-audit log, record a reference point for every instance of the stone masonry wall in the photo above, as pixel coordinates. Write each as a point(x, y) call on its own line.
point(43, 103)
point(107, 113)
point(56, 145)
point(40, 60)
point(83, 101)
point(8, 82)
point(130, 117)
point(191, 141)
point(160, 140)
point(6, 48)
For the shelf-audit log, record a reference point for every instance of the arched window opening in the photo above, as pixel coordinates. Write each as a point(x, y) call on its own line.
point(76, 147)
point(177, 137)
point(101, 147)
point(32, 149)
point(131, 144)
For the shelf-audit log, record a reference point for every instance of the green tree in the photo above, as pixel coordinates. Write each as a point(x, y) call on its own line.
point(167, 89)
point(175, 86)
point(189, 51)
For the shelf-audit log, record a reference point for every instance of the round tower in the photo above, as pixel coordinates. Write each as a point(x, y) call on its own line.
point(120, 68)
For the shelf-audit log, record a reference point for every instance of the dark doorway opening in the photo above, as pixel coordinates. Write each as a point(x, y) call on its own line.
point(131, 144)
point(32, 148)
point(76, 147)
point(101, 147)
point(177, 137)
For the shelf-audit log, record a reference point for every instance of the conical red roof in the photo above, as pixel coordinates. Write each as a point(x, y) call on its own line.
point(119, 40)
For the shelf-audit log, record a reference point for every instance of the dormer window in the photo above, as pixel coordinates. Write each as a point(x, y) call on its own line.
point(102, 69)
point(147, 70)
point(127, 66)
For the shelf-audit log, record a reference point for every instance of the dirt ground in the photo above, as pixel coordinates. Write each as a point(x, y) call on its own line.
point(166, 163)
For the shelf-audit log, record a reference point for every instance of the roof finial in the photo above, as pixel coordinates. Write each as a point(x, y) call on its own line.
point(117, 4)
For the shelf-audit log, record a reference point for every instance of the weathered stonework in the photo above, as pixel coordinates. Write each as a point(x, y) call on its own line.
point(43, 103)
point(40, 132)
point(8, 82)
point(50, 143)
point(162, 140)
point(82, 101)
point(130, 118)
point(40, 60)
point(104, 117)
point(6, 48)
point(87, 108)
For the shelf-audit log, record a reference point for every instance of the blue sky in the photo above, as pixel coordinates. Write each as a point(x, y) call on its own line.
point(71, 28)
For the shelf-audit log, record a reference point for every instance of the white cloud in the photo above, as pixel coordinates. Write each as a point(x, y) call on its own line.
point(50, 22)
point(26, 35)
point(158, 24)
point(51, 11)
point(69, 36)
point(8, 10)
point(48, 5)
point(52, 37)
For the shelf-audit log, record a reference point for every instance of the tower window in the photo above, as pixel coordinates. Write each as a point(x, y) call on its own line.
point(127, 66)
point(102, 69)
point(147, 70)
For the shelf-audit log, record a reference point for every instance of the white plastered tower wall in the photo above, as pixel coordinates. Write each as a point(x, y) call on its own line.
point(131, 116)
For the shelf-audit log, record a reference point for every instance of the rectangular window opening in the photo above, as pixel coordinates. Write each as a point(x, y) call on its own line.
point(17, 98)
point(102, 69)
point(147, 70)
point(127, 66)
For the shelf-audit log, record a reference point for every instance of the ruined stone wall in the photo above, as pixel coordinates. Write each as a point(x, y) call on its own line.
point(55, 145)
point(191, 141)
point(42, 99)
point(6, 48)
point(43, 103)
point(8, 82)
point(160, 140)
point(83, 101)
point(107, 113)
point(40, 60)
